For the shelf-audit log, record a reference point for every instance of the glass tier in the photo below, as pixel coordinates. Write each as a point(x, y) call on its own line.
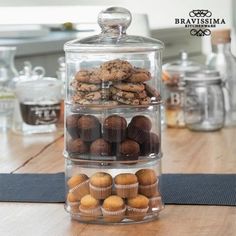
point(110, 194)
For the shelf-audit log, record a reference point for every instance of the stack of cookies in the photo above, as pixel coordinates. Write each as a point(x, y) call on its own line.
point(114, 82)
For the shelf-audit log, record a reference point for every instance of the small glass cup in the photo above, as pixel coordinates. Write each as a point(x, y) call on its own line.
point(37, 109)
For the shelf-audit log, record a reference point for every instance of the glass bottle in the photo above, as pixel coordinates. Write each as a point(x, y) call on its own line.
point(222, 60)
point(7, 97)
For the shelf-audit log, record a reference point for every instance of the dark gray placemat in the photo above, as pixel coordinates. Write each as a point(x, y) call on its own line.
point(48, 188)
point(199, 189)
point(190, 189)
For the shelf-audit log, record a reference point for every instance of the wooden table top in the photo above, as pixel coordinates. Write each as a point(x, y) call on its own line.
point(184, 152)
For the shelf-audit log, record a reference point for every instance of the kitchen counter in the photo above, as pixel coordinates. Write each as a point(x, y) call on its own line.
point(184, 152)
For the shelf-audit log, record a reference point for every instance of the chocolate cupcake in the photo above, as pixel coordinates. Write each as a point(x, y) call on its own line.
point(72, 125)
point(100, 147)
point(139, 128)
point(89, 128)
point(114, 128)
point(128, 150)
point(77, 146)
point(150, 145)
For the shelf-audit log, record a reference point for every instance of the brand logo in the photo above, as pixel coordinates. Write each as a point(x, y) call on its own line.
point(200, 22)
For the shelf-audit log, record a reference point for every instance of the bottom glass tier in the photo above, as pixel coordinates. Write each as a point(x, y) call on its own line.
point(104, 193)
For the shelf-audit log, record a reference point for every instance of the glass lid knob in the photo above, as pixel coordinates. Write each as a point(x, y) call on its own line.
point(114, 20)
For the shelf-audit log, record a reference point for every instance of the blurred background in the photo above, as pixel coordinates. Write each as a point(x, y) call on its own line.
point(36, 26)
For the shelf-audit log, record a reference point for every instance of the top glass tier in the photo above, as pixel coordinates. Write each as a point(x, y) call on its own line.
point(113, 93)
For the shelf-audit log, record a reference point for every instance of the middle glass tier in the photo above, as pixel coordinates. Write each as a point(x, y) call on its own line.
point(121, 133)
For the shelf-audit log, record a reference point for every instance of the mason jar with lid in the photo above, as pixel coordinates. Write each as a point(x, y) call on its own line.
point(173, 73)
point(204, 101)
point(112, 124)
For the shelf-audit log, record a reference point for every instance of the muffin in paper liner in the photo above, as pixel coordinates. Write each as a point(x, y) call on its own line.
point(155, 204)
point(73, 207)
point(136, 214)
point(126, 191)
point(90, 214)
point(80, 190)
point(148, 190)
point(113, 216)
point(100, 192)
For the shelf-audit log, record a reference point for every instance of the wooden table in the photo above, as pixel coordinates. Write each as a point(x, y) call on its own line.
point(184, 152)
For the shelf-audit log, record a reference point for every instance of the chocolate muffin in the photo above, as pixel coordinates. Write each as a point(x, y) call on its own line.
point(77, 146)
point(72, 125)
point(128, 150)
point(150, 145)
point(114, 128)
point(139, 128)
point(100, 147)
point(89, 128)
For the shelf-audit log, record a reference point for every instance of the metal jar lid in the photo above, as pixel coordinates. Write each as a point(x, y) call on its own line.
point(203, 77)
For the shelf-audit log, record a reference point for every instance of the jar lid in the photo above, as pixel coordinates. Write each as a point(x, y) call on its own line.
point(220, 36)
point(182, 65)
point(204, 76)
point(114, 22)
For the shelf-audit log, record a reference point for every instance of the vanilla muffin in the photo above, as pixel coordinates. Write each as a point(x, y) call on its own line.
point(126, 185)
point(79, 185)
point(137, 207)
point(100, 185)
point(147, 182)
point(89, 208)
point(113, 209)
point(72, 203)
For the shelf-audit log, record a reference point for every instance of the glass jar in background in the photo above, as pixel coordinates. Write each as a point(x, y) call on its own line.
point(172, 76)
point(223, 61)
point(38, 103)
point(61, 75)
point(7, 97)
point(204, 101)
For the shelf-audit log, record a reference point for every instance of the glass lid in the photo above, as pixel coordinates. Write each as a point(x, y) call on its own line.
point(114, 22)
point(182, 65)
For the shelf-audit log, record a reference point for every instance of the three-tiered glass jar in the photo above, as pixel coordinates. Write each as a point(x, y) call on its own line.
point(112, 124)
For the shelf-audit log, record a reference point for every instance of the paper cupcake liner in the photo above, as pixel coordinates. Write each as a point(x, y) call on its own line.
point(81, 189)
point(148, 186)
point(91, 212)
point(113, 213)
point(113, 216)
point(148, 190)
point(155, 204)
point(100, 192)
point(127, 186)
point(127, 191)
point(137, 210)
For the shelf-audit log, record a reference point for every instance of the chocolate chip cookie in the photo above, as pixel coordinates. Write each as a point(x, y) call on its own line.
point(130, 87)
point(139, 75)
point(88, 76)
point(84, 87)
point(130, 101)
point(128, 95)
point(115, 70)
